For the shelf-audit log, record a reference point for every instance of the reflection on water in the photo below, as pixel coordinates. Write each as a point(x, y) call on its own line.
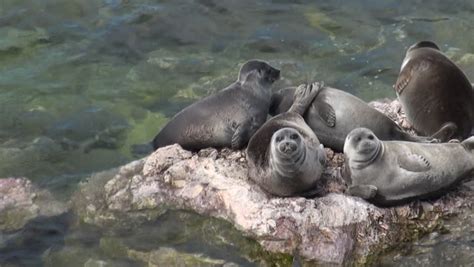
point(82, 81)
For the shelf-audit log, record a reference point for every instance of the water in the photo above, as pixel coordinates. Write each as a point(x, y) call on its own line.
point(83, 80)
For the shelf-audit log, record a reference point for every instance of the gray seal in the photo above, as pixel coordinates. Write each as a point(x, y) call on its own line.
point(284, 156)
point(334, 113)
point(435, 94)
point(394, 172)
point(226, 119)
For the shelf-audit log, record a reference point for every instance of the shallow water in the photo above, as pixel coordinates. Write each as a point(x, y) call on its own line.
point(83, 80)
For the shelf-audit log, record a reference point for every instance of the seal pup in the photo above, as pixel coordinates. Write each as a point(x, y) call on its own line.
point(284, 156)
point(394, 172)
point(334, 113)
point(435, 93)
point(226, 119)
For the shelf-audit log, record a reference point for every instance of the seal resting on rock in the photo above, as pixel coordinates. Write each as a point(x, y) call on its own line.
point(284, 156)
point(435, 94)
point(394, 172)
point(334, 113)
point(226, 119)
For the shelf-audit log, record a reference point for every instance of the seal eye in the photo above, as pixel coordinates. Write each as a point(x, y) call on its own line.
point(279, 138)
point(294, 136)
point(358, 139)
point(371, 137)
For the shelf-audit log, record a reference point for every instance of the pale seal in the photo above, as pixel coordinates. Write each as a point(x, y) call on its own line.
point(394, 172)
point(226, 119)
point(284, 156)
point(334, 113)
point(435, 94)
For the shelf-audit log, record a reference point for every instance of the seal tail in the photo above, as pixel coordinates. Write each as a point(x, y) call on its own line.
point(446, 132)
point(469, 143)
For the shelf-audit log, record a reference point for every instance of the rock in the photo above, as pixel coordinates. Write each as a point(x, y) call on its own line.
point(332, 228)
point(21, 201)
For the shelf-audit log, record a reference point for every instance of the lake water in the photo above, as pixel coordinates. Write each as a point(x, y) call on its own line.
point(83, 80)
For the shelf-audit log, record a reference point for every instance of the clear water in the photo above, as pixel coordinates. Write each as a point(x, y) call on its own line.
point(83, 80)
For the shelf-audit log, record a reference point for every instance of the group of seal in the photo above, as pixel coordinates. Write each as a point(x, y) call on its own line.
point(285, 154)
point(438, 100)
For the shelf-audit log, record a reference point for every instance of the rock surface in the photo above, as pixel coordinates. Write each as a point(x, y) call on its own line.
point(331, 228)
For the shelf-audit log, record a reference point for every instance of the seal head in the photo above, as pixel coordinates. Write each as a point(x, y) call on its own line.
point(362, 147)
point(287, 151)
point(259, 71)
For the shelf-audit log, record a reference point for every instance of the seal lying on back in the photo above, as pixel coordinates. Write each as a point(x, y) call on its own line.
point(226, 119)
point(334, 113)
point(393, 172)
point(435, 94)
point(284, 156)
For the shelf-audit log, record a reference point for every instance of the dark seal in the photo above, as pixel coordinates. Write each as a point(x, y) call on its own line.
point(394, 172)
point(334, 113)
point(435, 94)
point(226, 119)
point(284, 156)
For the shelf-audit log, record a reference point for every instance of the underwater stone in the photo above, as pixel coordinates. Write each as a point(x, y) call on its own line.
point(21, 201)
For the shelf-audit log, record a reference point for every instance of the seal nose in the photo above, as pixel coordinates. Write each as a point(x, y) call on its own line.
point(287, 147)
point(365, 145)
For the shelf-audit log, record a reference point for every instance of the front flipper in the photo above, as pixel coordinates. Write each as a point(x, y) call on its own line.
point(414, 163)
point(241, 135)
point(363, 191)
point(446, 132)
point(325, 112)
point(304, 96)
point(243, 132)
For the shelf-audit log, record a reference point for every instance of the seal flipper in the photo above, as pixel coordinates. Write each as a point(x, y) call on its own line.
point(363, 191)
point(446, 132)
point(304, 96)
point(326, 112)
point(403, 79)
point(241, 135)
point(413, 163)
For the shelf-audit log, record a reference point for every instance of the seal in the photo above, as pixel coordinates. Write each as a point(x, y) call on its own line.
point(394, 172)
point(435, 94)
point(334, 113)
point(226, 119)
point(284, 156)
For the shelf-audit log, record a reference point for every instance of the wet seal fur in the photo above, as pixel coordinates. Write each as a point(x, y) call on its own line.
point(334, 113)
point(394, 172)
point(284, 156)
point(226, 119)
point(435, 94)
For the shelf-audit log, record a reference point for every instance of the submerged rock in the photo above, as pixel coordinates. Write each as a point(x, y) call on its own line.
point(331, 228)
point(21, 201)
